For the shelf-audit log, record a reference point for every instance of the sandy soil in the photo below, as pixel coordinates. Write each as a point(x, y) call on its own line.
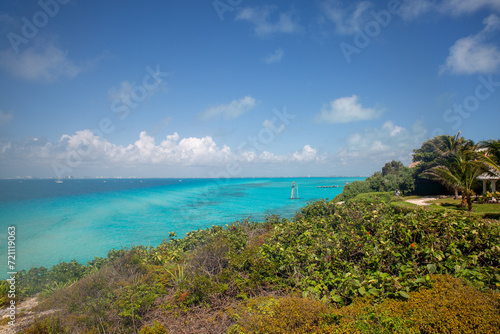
point(423, 200)
point(24, 316)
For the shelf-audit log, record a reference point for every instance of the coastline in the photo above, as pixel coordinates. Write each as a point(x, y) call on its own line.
point(80, 223)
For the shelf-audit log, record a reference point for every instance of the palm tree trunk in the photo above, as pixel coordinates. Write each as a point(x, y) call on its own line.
point(456, 193)
point(463, 204)
point(469, 202)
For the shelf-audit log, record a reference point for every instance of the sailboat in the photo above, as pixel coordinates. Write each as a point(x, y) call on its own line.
point(293, 190)
point(59, 181)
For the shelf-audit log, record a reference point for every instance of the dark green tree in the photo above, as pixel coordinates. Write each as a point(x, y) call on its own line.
point(459, 169)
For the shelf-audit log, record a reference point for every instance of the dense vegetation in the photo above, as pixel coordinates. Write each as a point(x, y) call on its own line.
point(366, 266)
point(442, 164)
point(394, 176)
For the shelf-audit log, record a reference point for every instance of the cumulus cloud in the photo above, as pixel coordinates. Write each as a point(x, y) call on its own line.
point(261, 18)
point(377, 146)
point(274, 57)
point(6, 117)
point(268, 157)
point(345, 110)
point(306, 154)
point(472, 54)
point(86, 149)
point(231, 110)
point(45, 62)
point(347, 20)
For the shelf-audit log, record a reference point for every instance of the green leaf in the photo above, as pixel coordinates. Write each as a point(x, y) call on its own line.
point(337, 298)
point(362, 291)
point(403, 294)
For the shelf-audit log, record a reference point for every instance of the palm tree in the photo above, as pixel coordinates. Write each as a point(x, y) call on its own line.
point(460, 168)
point(446, 148)
point(493, 149)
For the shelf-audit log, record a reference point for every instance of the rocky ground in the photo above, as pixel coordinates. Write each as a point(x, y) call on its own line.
point(24, 316)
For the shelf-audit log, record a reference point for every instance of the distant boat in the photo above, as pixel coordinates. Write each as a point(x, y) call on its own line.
point(59, 181)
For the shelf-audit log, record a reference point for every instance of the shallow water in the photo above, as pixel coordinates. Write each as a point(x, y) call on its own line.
point(80, 219)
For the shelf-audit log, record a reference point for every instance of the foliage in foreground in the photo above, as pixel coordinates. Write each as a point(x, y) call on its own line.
point(449, 306)
point(371, 249)
point(364, 252)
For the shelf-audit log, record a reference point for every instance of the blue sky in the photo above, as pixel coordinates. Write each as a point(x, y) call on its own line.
point(234, 88)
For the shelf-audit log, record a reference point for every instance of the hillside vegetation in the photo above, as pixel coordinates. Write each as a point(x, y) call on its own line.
point(367, 266)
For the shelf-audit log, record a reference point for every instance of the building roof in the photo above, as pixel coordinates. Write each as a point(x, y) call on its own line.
point(494, 175)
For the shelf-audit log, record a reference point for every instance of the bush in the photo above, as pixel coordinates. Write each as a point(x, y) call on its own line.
point(41, 279)
point(449, 306)
point(49, 325)
point(157, 328)
point(394, 176)
point(359, 249)
point(285, 315)
point(4, 293)
point(103, 299)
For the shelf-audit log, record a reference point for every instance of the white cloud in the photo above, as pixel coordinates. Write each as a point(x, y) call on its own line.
point(458, 7)
point(87, 151)
point(268, 157)
point(304, 155)
point(345, 110)
point(91, 149)
point(6, 117)
point(44, 62)
point(472, 54)
point(260, 17)
point(231, 110)
point(348, 21)
point(378, 146)
point(307, 154)
point(121, 92)
point(269, 124)
point(275, 57)
point(4, 147)
point(411, 9)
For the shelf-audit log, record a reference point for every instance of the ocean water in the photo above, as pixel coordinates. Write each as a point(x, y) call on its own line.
point(80, 219)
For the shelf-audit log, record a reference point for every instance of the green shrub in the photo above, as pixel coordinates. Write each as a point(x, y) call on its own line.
point(4, 293)
point(289, 314)
point(48, 325)
point(41, 279)
point(394, 176)
point(157, 328)
point(449, 306)
point(370, 249)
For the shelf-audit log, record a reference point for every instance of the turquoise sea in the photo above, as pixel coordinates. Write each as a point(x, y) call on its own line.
point(80, 219)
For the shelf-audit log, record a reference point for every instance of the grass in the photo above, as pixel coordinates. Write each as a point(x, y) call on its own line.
point(485, 211)
point(491, 211)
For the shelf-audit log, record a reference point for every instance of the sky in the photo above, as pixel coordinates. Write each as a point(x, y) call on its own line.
point(240, 88)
